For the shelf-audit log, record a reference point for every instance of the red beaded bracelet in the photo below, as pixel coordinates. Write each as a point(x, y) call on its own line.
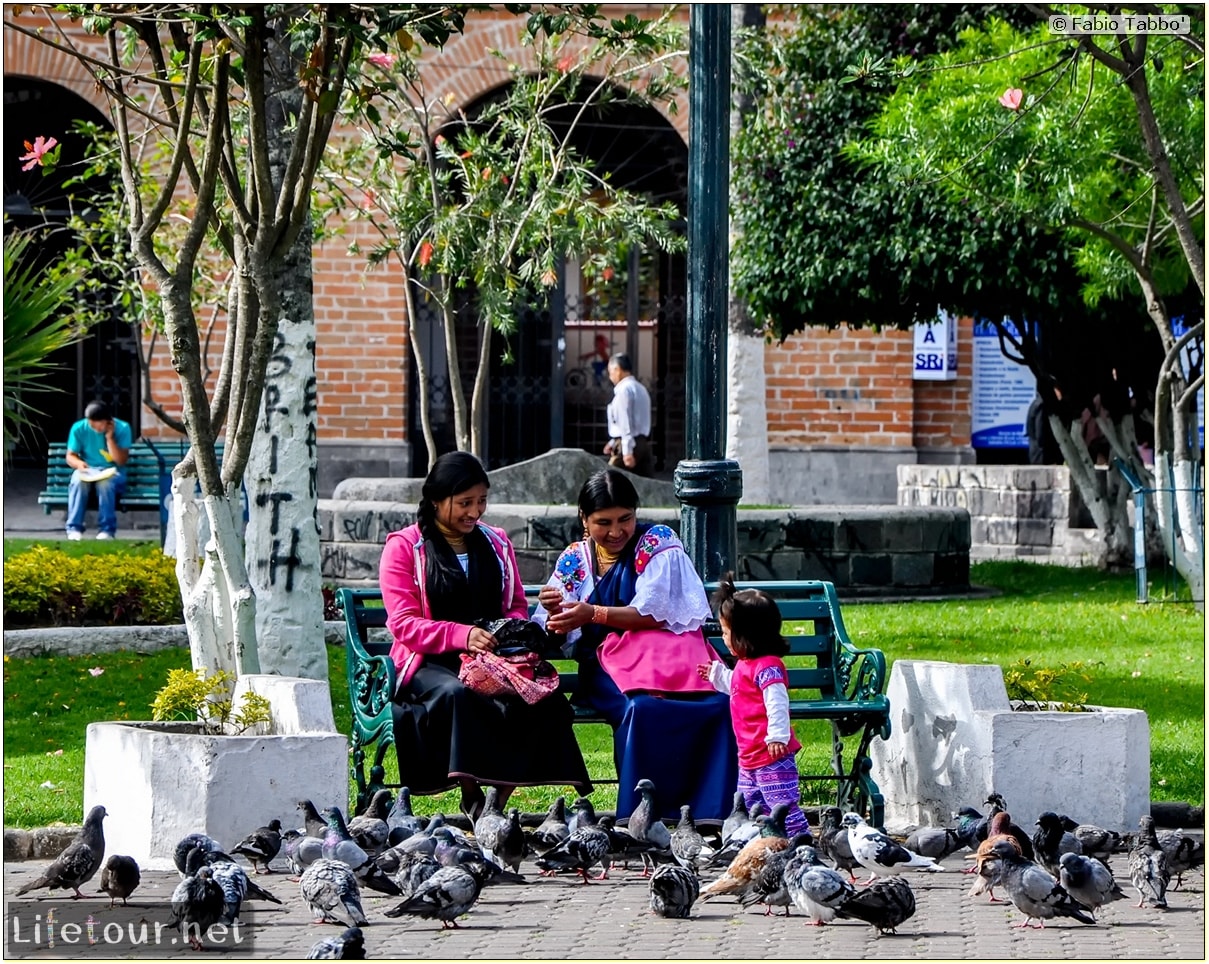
point(599, 614)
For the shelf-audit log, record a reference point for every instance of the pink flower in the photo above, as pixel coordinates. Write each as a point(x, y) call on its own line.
point(385, 61)
point(37, 151)
point(96, 671)
point(565, 63)
point(1011, 98)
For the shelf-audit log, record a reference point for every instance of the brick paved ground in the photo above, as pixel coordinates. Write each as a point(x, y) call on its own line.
point(561, 918)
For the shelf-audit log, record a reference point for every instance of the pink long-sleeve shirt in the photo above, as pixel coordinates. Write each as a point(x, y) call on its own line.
point(409, 615)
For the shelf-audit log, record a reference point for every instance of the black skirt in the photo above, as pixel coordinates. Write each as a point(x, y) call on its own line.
point(445, 732)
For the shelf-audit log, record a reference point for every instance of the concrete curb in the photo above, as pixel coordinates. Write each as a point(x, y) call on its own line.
point(85, 640)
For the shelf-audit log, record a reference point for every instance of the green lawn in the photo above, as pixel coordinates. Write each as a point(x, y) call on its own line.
point(1150, 657)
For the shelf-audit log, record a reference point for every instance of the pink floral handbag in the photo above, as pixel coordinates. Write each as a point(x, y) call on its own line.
point(656, 661)
point(525, 674)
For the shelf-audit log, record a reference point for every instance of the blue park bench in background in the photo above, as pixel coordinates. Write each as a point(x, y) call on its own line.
point(829, 679)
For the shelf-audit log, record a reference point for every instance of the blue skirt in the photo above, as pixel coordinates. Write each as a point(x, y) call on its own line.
point(683, 745)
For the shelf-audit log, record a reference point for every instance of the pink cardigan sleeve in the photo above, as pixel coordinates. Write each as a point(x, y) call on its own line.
point(406, 616)
point(518, 606)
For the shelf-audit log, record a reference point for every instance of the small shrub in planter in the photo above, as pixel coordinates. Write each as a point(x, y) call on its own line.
point(192, 696)
point(44, 586)
point(1037, 688)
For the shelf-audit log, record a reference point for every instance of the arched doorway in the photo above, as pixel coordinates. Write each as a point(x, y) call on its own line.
point(104, 365)
point(553, 393)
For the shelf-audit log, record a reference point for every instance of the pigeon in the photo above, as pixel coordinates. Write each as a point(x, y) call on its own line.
point(1096, 841)
point(349, 946)
point(402, 823)
point(338, 845)
point(197, 901)
point(645, 826)
point(235, 884)
point(673, 889)
point(1050, 842)
point(1034, 891)
point(740, 875)
point(261, 846)
point(885, 904)
point(833, 842)
point(329, 888)
point(1148, 866)
point(447, 894)
point(622, 845)
point(934, 842)
point(583, 814)
point(687, 845)
point(769, 886)
point(1183, 852)
point(878, 853)
point(300, 850)
point(181, 852)
point(737, 817)
point(740, 836)
point(583, 848)
point(79, 861)
point(316, 826)
point(490, 826)
point(990, 870)
point(413, 870)
point(999, 806)
point(370, 829)
point(971, 826)
point(512, 843)
point(553, 830)
point(119, 877)
point(814, 888)
point(1089, 881)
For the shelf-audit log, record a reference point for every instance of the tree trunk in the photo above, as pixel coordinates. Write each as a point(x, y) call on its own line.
point(746, 401)
point(281, 476)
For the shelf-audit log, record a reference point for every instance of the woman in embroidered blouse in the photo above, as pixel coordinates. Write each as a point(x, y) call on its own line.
point(629, 576)
point(438, 577)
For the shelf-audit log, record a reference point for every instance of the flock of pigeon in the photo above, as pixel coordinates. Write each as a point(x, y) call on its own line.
point(437, 872)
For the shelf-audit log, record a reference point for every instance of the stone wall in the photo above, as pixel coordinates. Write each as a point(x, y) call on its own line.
point(1015, 511)
point(865, 547)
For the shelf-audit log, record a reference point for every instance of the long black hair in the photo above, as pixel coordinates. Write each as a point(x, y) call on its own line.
point(455, 595)
point(607, 489)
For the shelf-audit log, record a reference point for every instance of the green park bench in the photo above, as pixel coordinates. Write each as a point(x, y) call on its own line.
point(148, 464)
point(829, 679)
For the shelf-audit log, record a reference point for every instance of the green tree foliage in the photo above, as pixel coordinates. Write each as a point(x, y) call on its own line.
point(826, 241)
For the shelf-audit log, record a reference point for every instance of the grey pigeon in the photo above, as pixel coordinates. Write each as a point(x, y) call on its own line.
point(1148, 866)
point(1096, 841)
point(316, 826)
point(583, 814)
point(512, 843)
point(235, 883)
point(970, 826)
point(1050, 842)
point(119, 877)
point(490, 826)
point(553, 830)
point(370, 829)
point(740, 835)
point(205, 842)
point(814, 888)
point(687, 844)
point(584, 848)
point(1034, 890)
point(673, 889)
point(79, 861)
point(412, 870)
point(622, 845)
point(645, 826)
point(885, 904)
point(349, 946)
point(261, 846)
point(736, 818)
point(400, 821)
point(880, 854)
point(300, 850)
point(339, 845)
point(1089, 881)
point(329, 888)
point(833, 842)
point(934, 842)
point(447, 894)
point(197, 901)
point(769, 886)
point(1183, 852)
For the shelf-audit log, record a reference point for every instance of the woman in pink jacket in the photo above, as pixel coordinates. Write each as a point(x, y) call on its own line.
point(438, 577)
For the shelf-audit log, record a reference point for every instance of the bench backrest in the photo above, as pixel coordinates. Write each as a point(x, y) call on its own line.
point(148, 459)
point(821, 658)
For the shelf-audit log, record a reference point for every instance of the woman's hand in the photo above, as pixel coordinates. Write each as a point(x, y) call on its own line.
point(549, 597)
point(480, 641)
point(571, 615)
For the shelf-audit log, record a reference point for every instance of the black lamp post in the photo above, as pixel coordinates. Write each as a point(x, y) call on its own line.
point(707, 484)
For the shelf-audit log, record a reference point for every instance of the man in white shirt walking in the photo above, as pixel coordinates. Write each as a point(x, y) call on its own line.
point(629, 444)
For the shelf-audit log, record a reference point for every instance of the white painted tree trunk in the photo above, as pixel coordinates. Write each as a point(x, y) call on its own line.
point(747, 414)
point(283, 531)
point(1183, 535)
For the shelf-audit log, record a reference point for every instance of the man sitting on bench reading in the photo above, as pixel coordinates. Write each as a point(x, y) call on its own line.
point(97, 448)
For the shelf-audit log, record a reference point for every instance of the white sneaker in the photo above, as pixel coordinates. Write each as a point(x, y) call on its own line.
point(104, 535)
point(74, 536)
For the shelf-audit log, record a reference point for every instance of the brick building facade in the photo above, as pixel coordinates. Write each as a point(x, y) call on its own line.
point(843, 410)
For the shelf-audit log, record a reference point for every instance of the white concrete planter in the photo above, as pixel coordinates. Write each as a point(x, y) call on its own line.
point(956, 738)
point(161, 781)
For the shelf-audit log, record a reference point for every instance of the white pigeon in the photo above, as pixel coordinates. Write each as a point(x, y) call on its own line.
point(878, 853)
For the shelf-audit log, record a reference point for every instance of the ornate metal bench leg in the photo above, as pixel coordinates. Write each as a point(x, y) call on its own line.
point(358, 758)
